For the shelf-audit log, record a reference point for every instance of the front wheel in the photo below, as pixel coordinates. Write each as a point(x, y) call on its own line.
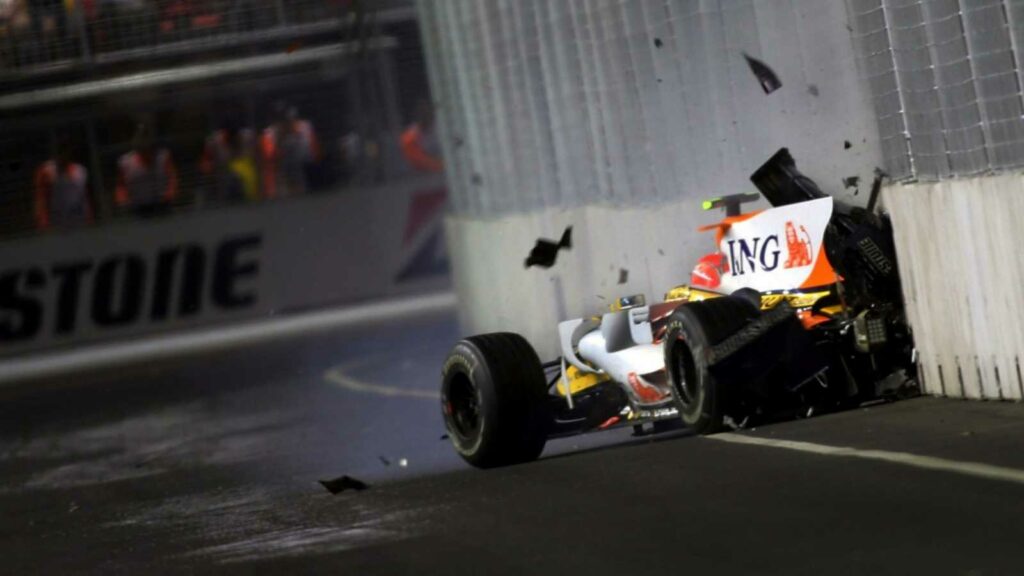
point(493, 398)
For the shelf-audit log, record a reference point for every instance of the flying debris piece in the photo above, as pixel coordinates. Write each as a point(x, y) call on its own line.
point(658, 43)
point(847, 145)
point(728, 422)
point(384, 461)
point(545, 252)
point(851, 181)
point(812, 89)
point(876, 188)
point(444, 436)
point(343, 483)
point(623, 275)
point(661, 252)
point(765, 76)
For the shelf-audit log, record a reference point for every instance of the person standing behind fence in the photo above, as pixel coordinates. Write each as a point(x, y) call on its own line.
point(419, 143)
point(50, 26)
point(16, 40)
point(287, 147)
point(229, 157)
point(61, 191)
point(147, 179)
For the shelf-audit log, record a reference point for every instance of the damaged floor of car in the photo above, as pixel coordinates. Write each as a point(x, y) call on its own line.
point(212, 464)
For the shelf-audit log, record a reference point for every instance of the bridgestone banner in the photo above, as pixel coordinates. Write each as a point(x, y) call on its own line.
point(220, 266)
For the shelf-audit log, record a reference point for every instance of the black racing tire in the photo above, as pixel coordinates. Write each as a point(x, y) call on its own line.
point(494, 400)
point(693, 329)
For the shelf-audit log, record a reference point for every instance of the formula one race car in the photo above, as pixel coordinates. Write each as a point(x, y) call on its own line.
point(798, 311)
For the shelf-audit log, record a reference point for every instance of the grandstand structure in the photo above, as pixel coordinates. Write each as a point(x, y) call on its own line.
point(89, 71)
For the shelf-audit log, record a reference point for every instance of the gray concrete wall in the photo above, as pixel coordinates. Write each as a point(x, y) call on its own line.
point(619, 118)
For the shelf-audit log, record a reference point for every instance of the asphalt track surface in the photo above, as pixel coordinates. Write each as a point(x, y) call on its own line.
point(210, 464)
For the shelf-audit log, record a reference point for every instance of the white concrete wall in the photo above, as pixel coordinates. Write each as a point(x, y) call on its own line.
point(958, 243)
point(558, 113)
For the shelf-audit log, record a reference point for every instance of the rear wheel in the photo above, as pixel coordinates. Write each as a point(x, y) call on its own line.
point(493, 398)
point(693, 330)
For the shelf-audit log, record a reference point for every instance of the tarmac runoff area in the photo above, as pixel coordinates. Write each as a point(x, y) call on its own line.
point(210, 463)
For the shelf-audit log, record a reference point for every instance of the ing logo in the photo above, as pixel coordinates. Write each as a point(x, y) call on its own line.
point(765, 253)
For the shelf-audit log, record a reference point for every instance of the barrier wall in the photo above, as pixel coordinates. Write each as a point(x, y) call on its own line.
point(962, 271)
point(126, 279)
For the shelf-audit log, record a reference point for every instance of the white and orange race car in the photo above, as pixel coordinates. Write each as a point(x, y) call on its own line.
point(798, 310)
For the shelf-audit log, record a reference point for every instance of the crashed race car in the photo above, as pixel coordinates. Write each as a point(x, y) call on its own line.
point(799, 311)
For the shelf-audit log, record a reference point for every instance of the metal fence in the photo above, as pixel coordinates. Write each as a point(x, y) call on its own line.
point(81, 75)
point(38, 36)
point(946, 81)
point(350, 153)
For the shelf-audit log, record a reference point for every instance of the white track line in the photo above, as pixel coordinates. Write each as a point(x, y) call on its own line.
point(975, 469)
point(16, 371)
point(339, 377)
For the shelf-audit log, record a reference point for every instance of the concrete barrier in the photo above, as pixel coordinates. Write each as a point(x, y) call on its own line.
point(962, 271)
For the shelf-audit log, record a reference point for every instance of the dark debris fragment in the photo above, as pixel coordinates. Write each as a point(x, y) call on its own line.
point(812, 89)
point(444, 437)
point(342, 483)
point(623, 275)
point(766, 77)
point(851, 181)
point(847, 145)
point(384, 460)
point(658, 43)
point(545, 252)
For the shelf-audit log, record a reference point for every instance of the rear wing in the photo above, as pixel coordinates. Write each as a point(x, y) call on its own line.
point(782, 184)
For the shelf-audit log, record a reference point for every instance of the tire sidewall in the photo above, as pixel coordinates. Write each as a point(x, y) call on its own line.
point(677, 336)
point(703, 412)
point(465, 359)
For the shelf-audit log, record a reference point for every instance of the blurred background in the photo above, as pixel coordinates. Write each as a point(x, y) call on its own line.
point(138, 136)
